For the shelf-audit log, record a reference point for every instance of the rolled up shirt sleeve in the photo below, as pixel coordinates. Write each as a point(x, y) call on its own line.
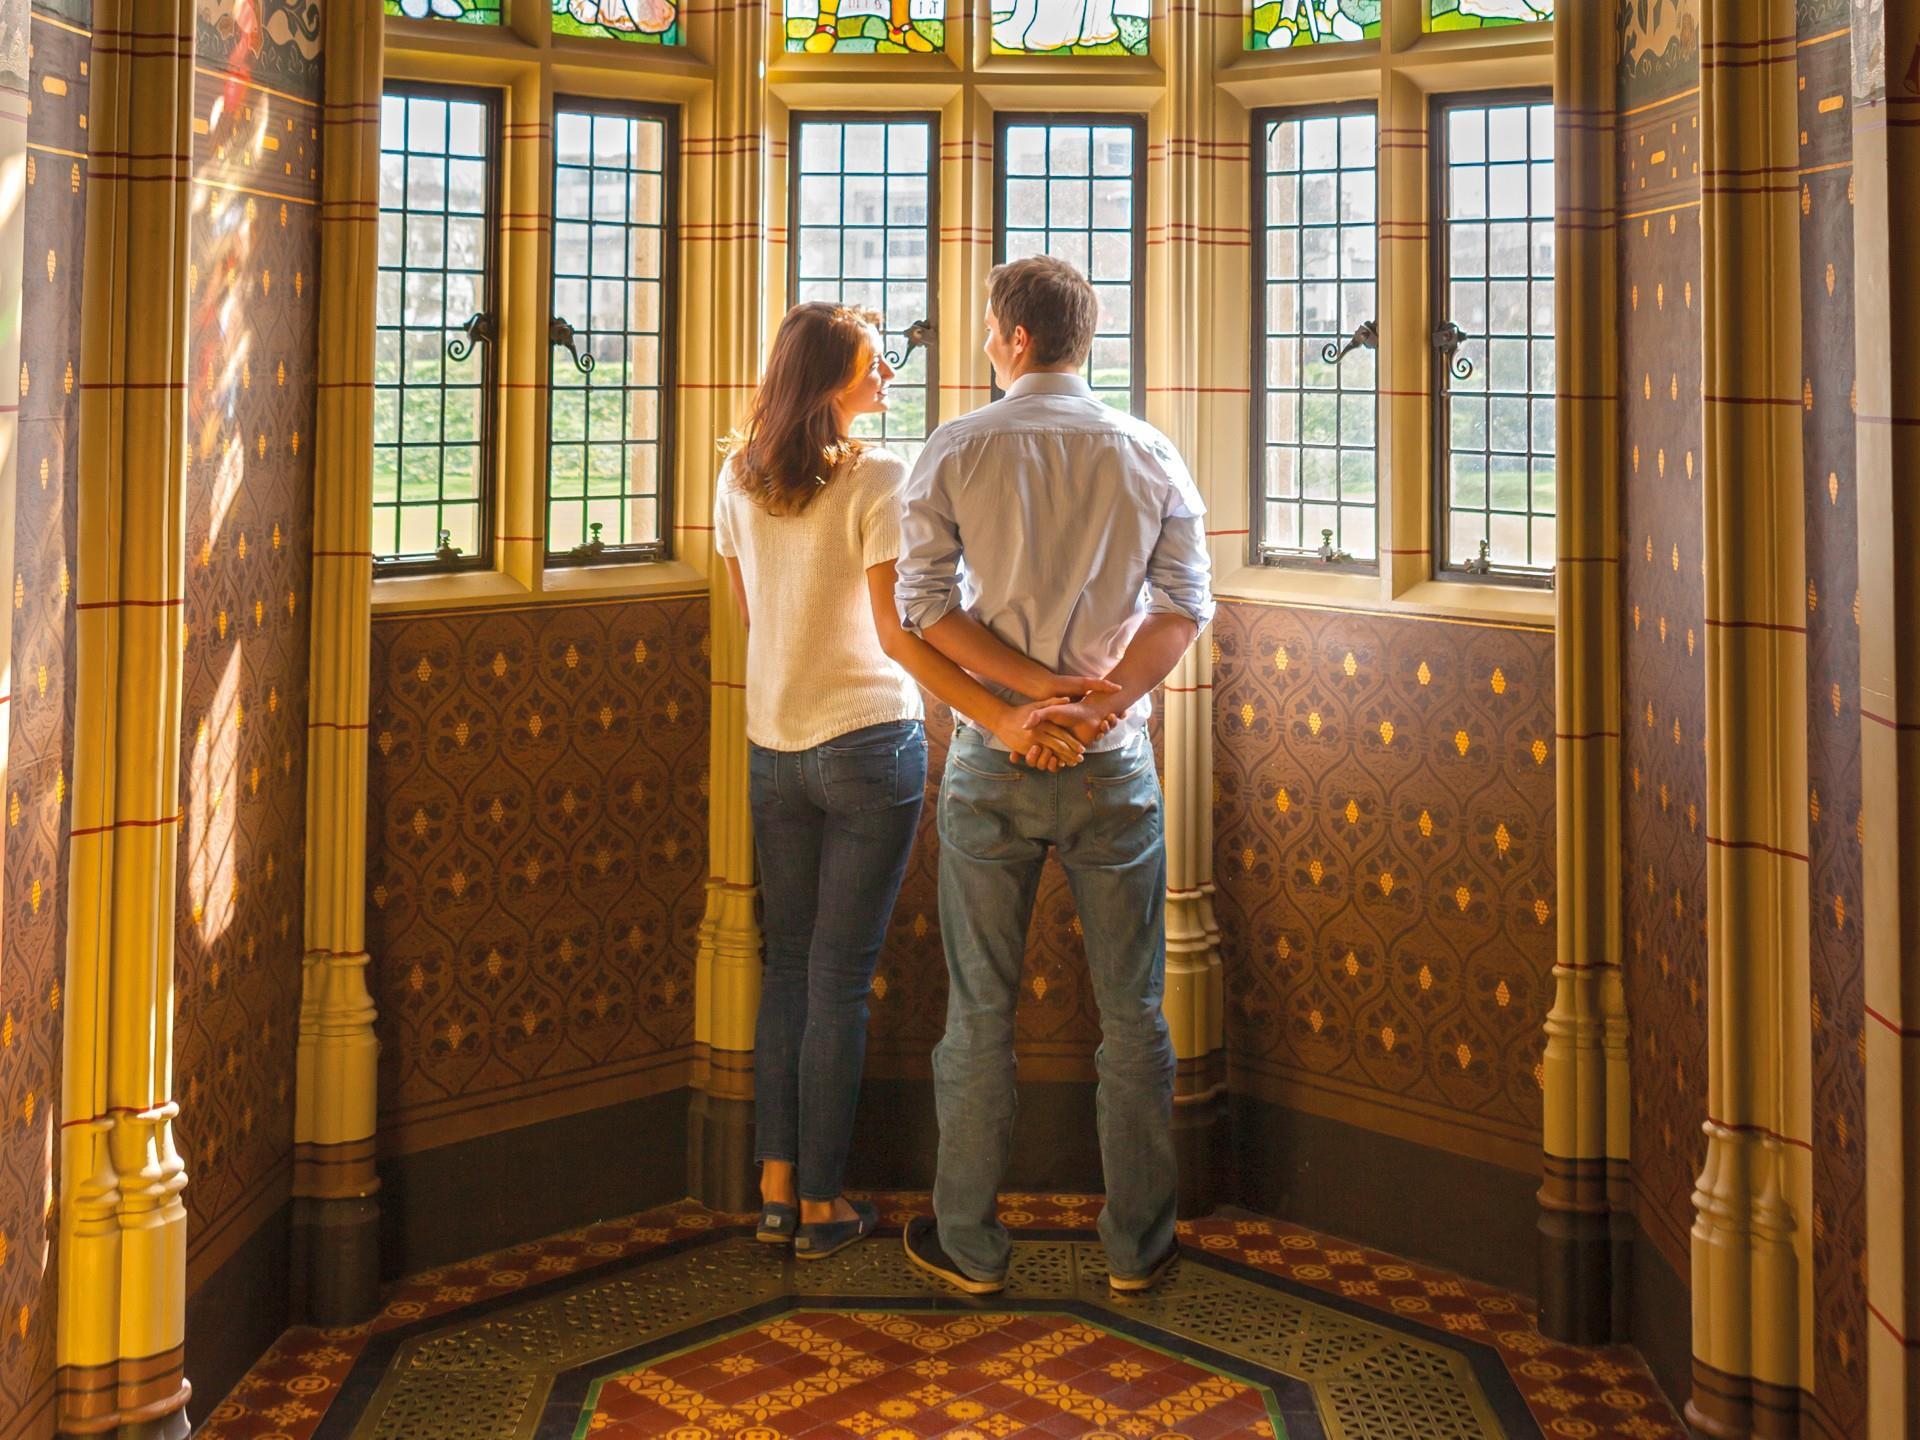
point(927, 587)
point(1179, 571)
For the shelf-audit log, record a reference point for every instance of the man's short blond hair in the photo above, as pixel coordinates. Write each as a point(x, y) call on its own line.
point(1052, 300)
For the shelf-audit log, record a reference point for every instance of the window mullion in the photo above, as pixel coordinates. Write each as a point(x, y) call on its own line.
point(1406, 323)
point(526, 244)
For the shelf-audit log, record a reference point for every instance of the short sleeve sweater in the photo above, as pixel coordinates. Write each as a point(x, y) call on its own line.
point(815, 668)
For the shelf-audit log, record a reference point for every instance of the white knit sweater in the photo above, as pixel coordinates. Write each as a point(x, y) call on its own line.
point(815, 668)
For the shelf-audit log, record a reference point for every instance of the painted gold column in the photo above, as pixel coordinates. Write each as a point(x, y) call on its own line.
point(123, 1227)
point(1184, 283)
point(725, 180)
point(1753, 1199)
point(14, 106)
point(1886, 95)
point(336, 1265)
point(1582, 1194)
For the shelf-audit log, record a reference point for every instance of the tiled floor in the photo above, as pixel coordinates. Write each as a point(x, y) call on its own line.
point(673, 1324)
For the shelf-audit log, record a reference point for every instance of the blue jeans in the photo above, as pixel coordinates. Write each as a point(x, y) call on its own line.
point(833, 827)
point(1102, 818)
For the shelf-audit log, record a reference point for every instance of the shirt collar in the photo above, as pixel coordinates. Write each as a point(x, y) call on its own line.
point(1049, 382)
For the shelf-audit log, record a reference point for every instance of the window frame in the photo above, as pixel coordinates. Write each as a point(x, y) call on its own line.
point(1259, 119)
point(1439, 247)
point(798, 117)
point(487, 463)
point(1003, 120)
point(667, 472)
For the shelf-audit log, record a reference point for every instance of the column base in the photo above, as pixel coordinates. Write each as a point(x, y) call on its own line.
point(1199, 1148)
point(1738, 1407)
point(172, 1426)
point(720, 1171)
point(1579, 1256)
point(336, 1260)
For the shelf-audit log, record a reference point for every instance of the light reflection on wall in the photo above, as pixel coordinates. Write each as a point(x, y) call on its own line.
point(213, 806)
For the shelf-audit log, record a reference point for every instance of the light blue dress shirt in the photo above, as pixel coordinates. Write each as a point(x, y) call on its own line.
point(1060, 524)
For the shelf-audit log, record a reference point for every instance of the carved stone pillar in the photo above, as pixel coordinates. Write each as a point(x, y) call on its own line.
point(123, 1226)
point(1753, 1199)
point(336, 1254)
point(1204, 164)
point(1582, 1199)
point(725, 159)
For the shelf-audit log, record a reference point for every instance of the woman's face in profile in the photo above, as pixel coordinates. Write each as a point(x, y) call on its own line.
point(866, 393)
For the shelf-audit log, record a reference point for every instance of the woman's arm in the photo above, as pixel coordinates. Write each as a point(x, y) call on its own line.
point(970, 645)
point(1044, 746)
point(739, 585)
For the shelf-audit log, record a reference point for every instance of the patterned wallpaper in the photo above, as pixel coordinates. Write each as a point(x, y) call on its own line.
point(1058, 1022)
point(33, 927)
point(254, 258)
point(1833, 721)
point(1384, 851)
point(1664, 865)
point(537, 860)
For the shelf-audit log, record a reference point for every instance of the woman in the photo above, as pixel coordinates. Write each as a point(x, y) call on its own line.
point(807, 519)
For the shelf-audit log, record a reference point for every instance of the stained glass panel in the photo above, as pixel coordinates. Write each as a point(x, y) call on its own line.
point(866, 27)
point(1496, 475)
point(472, 12)
point(1289, 24)
point(1071, 188)
point(1483, 14)
point(864, 226)
point(433, 316)
point(654, 22)
point(1071, 27)
point(610, 415)
point(1315, 422)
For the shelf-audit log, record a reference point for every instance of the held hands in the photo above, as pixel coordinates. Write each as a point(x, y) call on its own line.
point(1086, 720)
point(1044, 746)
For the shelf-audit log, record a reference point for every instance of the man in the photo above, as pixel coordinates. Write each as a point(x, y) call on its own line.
point(1059, 527)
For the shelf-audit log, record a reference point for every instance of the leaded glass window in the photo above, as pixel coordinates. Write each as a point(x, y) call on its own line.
point(1483, 14)
point(1071, 27)
point(1071, 187)
point(866, 27)
point(472, 12)
point(1494, 394)
point(1316, 403)
point(865, 227)
point(434, 313)
point(609, 447)
point(654, 21)
point(1289, 24)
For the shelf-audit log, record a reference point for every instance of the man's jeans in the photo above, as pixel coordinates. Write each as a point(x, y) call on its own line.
point(833, 827)
point(1103, 819)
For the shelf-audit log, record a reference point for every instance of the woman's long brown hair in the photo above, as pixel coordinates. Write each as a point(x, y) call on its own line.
point(792, 440)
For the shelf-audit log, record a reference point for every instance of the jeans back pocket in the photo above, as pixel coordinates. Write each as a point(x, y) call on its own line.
point(874, 768)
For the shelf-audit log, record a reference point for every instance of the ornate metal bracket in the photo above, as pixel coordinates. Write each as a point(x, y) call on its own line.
point(448, 551)
point(919, 334)
point(1327, 553)
point(561, 332)
point(1366, 337)
point(1481, 564)
point(589, 549)
point(1447, 339)
point(481, 329)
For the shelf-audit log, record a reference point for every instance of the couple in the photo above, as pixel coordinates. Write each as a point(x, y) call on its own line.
point(1040, 571)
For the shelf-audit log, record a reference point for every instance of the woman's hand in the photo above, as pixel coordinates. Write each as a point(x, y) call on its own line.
point(1072, 687)
point(1044, 746)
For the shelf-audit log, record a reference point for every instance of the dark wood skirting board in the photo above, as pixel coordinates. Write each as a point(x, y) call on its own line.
point(1661, 1318)
point(457, 1201)
point(1465, 1215)
point(238, 1313)
point(896, 1138)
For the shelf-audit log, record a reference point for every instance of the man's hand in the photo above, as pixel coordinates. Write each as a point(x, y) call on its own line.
point(1086, 720)
point(1044, 746)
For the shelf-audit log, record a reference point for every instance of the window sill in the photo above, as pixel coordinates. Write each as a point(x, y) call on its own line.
point(1528, 607)
point(494, 590)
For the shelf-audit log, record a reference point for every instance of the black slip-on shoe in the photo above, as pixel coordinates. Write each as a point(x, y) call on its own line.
point(1156, 1272)
point(828, 1237)
point(922, 1241)
point(777, 1223)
